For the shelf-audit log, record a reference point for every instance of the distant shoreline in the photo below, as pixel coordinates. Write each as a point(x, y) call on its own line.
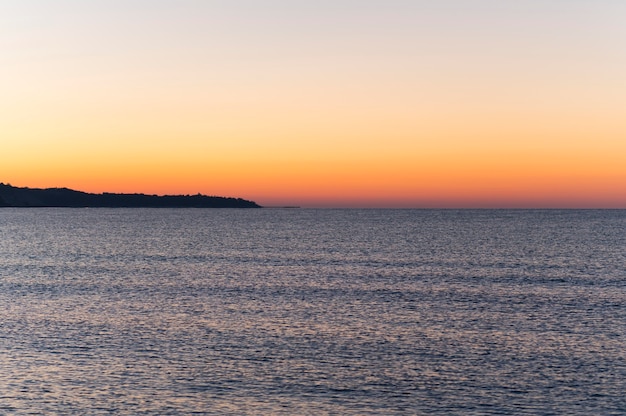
point(16, 197)
point(283, 207)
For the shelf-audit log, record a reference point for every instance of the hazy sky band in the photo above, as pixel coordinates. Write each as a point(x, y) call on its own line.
point(319, 103)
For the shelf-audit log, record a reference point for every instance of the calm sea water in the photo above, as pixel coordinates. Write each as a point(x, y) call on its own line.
point(312, 311)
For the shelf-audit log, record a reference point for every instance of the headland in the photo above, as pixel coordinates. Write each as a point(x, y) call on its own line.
point(11, 196)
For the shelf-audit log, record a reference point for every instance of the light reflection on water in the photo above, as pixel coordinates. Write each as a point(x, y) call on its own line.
point(312, 311)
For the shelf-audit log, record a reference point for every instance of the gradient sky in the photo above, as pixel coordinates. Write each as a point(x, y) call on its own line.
point(447, 103)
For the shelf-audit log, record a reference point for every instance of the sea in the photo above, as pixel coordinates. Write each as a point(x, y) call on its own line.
point(312, 312)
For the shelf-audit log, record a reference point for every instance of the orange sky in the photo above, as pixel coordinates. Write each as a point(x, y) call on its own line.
point(336, 104)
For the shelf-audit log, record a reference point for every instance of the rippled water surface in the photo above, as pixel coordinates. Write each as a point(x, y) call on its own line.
point(312, 311)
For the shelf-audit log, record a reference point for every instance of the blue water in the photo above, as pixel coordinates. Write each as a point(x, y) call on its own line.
point(158, 311)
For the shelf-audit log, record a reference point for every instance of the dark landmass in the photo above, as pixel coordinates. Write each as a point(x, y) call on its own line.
point(11, 196)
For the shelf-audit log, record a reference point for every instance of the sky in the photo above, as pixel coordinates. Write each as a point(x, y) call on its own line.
point(447, 103)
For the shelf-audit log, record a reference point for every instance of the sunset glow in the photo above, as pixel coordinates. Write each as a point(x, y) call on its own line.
point(319, 104)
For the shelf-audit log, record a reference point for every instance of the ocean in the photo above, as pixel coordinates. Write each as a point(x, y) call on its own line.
point(305, 311)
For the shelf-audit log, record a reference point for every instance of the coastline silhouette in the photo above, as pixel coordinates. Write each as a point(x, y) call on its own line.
point(11, 196)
